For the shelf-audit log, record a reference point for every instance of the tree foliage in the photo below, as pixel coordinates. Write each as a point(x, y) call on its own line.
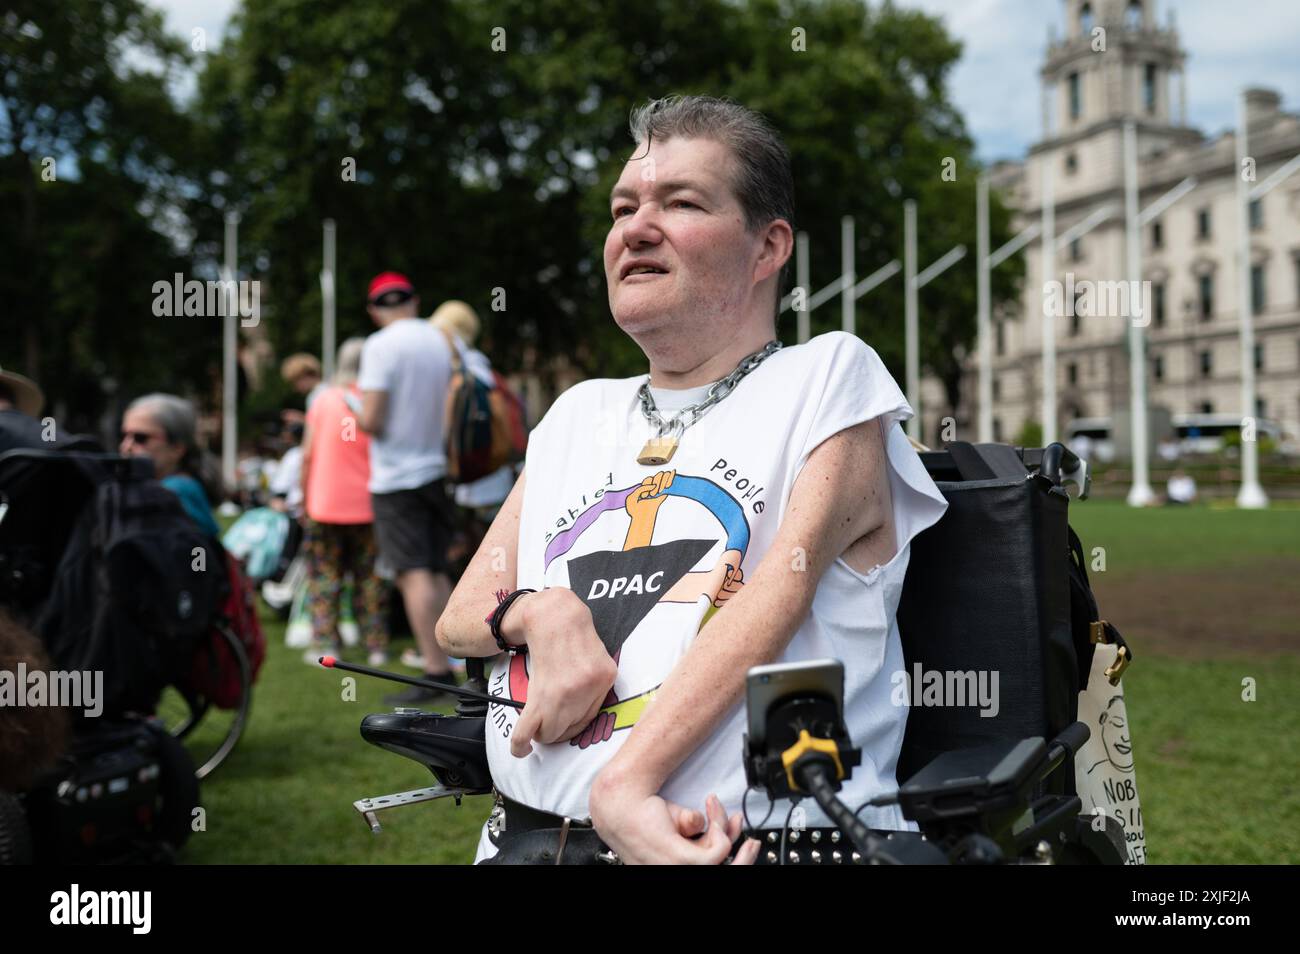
point(93, 153)
point(485, 137)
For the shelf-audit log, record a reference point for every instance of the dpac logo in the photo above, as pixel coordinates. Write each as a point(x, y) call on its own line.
point(77, 907)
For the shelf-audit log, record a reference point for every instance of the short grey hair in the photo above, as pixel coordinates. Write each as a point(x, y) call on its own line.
point(762, 179)
point(179, 422)
point(175, 415)
point(348, 364)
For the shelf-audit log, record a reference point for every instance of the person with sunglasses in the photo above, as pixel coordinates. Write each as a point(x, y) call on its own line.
point(163, 427)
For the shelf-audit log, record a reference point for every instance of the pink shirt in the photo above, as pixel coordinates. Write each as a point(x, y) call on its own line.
point(340, 461)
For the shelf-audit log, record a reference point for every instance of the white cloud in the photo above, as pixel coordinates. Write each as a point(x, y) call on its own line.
point(184, 15)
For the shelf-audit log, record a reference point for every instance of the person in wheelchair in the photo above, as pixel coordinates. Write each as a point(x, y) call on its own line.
point(743, 504)
point(162, 427)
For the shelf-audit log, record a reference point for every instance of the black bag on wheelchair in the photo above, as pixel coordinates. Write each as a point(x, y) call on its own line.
point(998, 585)
point(105, 566)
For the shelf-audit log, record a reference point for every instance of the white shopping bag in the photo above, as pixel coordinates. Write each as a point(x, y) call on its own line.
point(1104, 772)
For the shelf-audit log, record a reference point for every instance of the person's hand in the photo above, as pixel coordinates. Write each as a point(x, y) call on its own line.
point(644, 828)
point(570, 672)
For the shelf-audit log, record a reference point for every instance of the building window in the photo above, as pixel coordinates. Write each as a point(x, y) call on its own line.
point(1002, 337)
point(1207, 297)
point(1256, 289)
point(997, 429)
point(1149, 88)
point(1076, 249)
point(1076, 96)
point(1158, 304)
point(1075, 323)
point(1207, 407)
point(1256, 214)
point(1207, 364)
point(1261, 410)
point(1071, 163)
point(1133, 15)
point(1072, 373)
point(1158, 367)
point(1259, 357)
point(997, 389)
point(1157, 235)
point(1085, 18)
point(1203, 223)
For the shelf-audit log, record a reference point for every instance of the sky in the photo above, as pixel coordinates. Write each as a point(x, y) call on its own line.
point(1230, 44)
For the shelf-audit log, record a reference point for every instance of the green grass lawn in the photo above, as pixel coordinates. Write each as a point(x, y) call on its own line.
point(1216, 776)
point(1198, 537)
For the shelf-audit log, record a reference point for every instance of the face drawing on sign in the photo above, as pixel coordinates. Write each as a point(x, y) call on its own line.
point(622, 587)
point(1114, 735)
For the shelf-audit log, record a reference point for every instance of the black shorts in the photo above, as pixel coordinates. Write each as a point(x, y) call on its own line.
point(413, 528)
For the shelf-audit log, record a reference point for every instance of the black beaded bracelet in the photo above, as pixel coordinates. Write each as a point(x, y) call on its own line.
point(499, 614)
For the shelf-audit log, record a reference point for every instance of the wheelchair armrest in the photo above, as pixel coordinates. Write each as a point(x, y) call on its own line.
point(975, 781)
point(451, 747)
point(988, 779)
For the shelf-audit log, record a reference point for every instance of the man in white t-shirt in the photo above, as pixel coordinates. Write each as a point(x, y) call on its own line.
point(405, 372)
point(777, 528)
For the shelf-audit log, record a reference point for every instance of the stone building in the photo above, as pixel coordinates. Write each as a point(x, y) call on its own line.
point(1116, 63)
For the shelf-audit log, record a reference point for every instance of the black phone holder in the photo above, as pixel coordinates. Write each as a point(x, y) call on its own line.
point(767, 764)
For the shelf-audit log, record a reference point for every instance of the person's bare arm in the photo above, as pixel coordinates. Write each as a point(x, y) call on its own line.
point(570, 671)
point(461, 630)
point(840, 498)
point(374, 411)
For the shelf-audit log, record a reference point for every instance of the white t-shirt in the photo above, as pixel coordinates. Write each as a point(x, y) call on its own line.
point(287, 481)
point(410, 360)
point(733, 473)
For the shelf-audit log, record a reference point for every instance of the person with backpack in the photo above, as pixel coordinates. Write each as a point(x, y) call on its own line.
point(339, 539)
point(163, 427)
point(406, 368)
point(457, 320)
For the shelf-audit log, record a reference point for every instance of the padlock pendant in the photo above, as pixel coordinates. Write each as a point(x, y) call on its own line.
point(657, 451)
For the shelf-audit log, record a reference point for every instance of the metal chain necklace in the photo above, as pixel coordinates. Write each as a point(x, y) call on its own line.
point(660, 448)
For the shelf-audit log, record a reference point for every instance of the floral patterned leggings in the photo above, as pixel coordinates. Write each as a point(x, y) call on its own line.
point(333, 550)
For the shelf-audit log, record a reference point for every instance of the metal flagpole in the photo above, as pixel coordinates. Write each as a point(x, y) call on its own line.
point(984, 329)
point(1048, 235)
point(327, 301)
point(848, 302)
point(911, 343)
point(229, 365)
point(1140, 494)
point(1251, 495)
point(802, 279)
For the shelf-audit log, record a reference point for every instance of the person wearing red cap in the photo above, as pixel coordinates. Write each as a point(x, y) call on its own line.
point(405, 372)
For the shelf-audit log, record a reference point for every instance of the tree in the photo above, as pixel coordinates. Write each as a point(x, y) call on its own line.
point(93, 151)
point(486, 137)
